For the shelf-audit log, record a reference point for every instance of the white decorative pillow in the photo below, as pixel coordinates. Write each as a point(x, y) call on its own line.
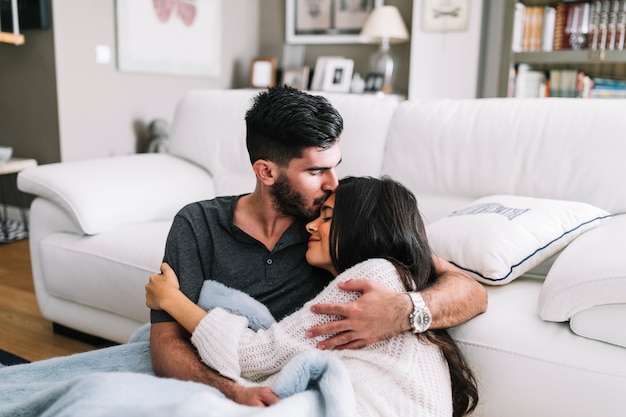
point(498, 238)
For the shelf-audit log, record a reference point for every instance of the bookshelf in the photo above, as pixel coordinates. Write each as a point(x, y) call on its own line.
point(599, 62)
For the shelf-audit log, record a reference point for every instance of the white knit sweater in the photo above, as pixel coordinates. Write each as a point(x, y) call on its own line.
point(401, 376)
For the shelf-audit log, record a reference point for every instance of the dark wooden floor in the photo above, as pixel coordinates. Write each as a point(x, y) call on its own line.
point(23, 330)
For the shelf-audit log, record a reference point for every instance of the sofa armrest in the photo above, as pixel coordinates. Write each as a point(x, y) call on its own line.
point(590, 272)
point(105, 193)
point(588, 280)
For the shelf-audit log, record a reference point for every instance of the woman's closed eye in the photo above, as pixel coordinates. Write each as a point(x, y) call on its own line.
point(326, 213)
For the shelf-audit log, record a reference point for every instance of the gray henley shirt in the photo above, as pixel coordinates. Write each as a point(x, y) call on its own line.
point(203, 243)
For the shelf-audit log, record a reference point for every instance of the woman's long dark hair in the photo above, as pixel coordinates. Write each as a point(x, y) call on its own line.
point(379, 218)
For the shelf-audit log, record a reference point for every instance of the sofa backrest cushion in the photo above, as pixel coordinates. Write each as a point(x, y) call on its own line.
point(366, 121)
point(566, 149)
point(209, 130)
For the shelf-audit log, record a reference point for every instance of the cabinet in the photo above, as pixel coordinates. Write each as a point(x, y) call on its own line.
point(594, 63)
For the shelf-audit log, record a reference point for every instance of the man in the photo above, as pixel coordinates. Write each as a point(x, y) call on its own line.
point(256, 243)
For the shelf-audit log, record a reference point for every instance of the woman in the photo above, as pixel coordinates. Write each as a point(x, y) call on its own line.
point(369, 229)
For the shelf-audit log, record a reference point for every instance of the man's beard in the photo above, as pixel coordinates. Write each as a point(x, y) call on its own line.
point(288, 201)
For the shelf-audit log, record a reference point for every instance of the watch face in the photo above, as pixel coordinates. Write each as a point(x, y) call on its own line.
point(421, 320)
point(445, 15)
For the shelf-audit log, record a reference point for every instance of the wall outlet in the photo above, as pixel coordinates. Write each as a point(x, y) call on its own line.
point(103, 54)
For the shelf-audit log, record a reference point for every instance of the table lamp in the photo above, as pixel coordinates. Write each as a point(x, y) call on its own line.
point(384, 25)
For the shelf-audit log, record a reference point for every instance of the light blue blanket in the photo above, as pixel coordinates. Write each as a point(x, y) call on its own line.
point(119, 381)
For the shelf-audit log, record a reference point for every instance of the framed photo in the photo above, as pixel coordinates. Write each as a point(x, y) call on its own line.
point(183, 39)
point(296, 77)
point(338, 75)
point(327, 21)
point(374, 81)
point(318, 74)
point(263, 72)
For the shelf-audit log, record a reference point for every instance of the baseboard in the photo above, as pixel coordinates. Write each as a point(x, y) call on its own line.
point(81, 336)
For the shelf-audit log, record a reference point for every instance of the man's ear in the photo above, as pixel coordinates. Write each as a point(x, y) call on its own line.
point(266, 171)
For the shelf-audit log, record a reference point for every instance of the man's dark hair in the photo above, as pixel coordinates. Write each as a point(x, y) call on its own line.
point(283, 121)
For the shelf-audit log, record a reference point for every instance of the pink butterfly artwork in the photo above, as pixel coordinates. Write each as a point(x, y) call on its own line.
point(185, 9)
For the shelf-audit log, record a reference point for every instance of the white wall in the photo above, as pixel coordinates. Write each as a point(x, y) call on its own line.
point(445, 64)
point(100, 108)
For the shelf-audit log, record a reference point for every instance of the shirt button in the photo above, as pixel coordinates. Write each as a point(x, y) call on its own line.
point(269, 261)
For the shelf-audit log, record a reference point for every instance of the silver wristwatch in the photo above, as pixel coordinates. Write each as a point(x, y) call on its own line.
point(420, 318)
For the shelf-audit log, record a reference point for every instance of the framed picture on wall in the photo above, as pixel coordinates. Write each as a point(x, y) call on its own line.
point(327, 21)
point(445, 15)
point(338, 75)
point(182, 39)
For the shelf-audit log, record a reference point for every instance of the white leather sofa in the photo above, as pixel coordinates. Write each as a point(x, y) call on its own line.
point(553, 341)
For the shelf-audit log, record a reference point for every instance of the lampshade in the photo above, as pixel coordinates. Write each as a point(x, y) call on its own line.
point(385, 24)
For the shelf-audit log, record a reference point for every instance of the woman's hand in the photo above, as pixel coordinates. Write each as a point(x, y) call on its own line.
point(255, 396)
point(161, 287)
point(163, 293)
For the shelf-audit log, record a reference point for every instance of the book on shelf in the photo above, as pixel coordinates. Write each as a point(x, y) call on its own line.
point(611, 37)
point(517, 44)
point(607, 88)
point(621, 26)
point(555, 83)
point(583, 88)
point(607, 92)
point(526, 29)
point(599, 21)
point(561, 39)
point(564, 83)
point(547, 34)
point(510, 88)
point(609, 82)
point(536, 29)
point(529, 83)
point(594, 25)
point(532, 28)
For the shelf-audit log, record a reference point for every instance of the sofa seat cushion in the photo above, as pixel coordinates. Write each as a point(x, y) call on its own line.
point(106, 271)
point(497, 238)
point(517, 355)
point(590, 273)
point(604, 323)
